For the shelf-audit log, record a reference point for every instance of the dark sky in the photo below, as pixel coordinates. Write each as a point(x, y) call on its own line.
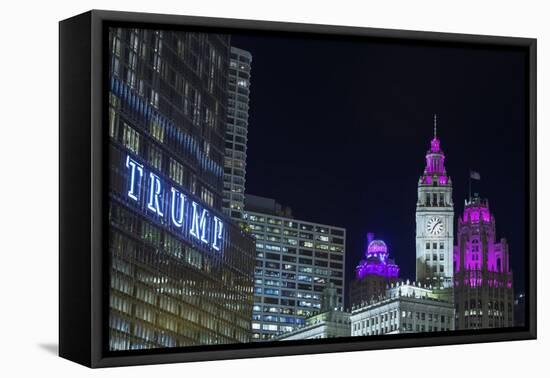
point(339, 130)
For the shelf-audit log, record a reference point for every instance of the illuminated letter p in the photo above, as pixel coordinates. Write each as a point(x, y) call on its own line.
point(218, 233)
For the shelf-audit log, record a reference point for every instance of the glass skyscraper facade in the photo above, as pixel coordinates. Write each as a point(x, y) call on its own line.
point(236, 133)
point(181, 272)
point(295, 261)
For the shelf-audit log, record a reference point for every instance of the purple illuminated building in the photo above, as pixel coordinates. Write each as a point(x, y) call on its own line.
point(483, 280)
point(374, 273)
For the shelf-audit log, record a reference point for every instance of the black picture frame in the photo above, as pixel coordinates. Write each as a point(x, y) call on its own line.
point(82, 205)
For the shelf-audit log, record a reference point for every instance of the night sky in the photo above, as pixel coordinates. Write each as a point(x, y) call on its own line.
point(339, 129)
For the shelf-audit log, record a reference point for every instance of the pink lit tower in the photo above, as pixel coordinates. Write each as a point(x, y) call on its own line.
point(374, 273)
point(483, 278)
point(434, 222)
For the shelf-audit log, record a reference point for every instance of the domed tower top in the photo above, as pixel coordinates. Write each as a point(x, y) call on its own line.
point(377, 261)
point(377, 249)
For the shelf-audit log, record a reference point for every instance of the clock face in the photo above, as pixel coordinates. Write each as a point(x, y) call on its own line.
point(435, 226)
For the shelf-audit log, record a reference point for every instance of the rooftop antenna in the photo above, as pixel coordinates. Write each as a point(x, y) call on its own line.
point(435, 125)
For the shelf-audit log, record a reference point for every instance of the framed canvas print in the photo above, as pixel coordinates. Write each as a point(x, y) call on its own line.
point(233, 188)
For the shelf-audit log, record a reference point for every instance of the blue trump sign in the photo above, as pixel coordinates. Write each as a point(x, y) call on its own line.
point(173, 207)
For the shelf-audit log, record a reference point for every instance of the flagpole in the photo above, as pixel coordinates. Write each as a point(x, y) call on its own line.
point(476, 176)
point(470, 186)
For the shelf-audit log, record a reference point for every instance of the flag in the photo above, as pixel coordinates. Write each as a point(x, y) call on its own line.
point(475, 175)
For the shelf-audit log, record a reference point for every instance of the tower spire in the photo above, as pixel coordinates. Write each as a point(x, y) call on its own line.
point(435, 126)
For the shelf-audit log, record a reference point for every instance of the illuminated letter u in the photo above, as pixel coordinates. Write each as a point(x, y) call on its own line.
point(177, 208)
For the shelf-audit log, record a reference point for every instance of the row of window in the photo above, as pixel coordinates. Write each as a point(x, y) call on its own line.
point(434, 269)
point(301, 243)
point(435, 200)
point(394, 315)
point(304, 260)
point(282, 248)
point(277, 319)
point(283, 309)
point(276, 231)
point(292, 276)
point(433, 245)
point(253, 218)
point(294, 285)
point(433, 257)
point(286, 293)
point(290, 252)
point(301, 260)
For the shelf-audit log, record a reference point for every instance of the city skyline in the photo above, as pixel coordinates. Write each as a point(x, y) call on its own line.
point(456, 218)
point(186, 133)
point(387, 127)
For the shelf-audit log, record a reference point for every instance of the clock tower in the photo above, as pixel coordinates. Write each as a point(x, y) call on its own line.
point(434, 220)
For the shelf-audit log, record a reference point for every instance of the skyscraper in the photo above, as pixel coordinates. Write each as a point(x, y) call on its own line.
point(434, 220)
point(483, 279)
point(236, 133)
point(181, 273)
point(295, 261)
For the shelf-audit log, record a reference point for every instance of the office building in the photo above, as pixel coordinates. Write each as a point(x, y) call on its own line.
point(181, 273)
point(295, 261)
point(484, 294)
point(374, 273)
point(236, 133)
point(406, 308)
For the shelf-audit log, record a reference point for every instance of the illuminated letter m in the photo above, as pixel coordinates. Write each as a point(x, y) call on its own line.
point(198, 224)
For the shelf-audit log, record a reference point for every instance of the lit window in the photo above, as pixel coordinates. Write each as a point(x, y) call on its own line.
point(157, 130)
point(130, 138)
point(154, 99)
point(176, 171)
point(207, 197)
point(155, 157)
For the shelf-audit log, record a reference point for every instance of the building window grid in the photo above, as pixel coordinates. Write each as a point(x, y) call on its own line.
point(263, 224)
